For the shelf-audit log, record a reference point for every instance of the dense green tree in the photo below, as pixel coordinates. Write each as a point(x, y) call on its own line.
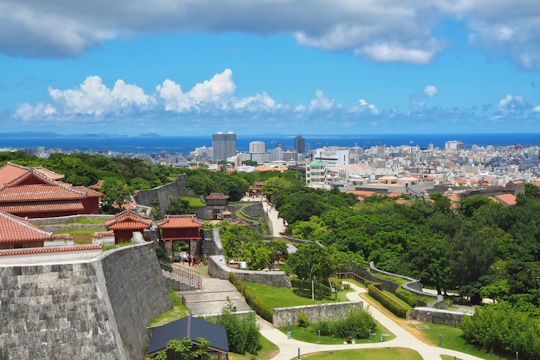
point(313, 263)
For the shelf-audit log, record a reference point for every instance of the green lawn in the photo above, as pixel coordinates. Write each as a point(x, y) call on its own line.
point(452, 338)
point(368, 354)
point(268, 351)
point(395, 279)
point(194, 201)
point(178, 311)
point(280, 297)
point(301, 334)
point(448, 357)
point(82, 236)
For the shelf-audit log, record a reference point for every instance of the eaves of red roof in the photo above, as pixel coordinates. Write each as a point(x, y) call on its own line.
point(180, 222)
point(48, 250)
point(127, 220)
point(89, 192)
point(39, 192)
point(11, 171)
point(15, 229)
point(42, 207)
point(128, 225)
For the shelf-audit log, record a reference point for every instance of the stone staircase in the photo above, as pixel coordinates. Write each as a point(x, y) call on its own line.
point(213, 297)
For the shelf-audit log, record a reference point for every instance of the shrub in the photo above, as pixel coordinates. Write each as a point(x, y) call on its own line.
point(260, 309)
point(501, 328)
point(302, 320)
point(242, 332)
point(162, 254)
point(387, 302)
point(356, 323)
point(107, 247)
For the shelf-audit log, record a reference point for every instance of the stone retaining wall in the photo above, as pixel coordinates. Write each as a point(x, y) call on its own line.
point(94, 309)
point(217, 268)
point(162, 193)
point(282, 316)
point(437, 316)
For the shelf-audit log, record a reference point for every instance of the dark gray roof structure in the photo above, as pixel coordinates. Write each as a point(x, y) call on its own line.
point(191, 328)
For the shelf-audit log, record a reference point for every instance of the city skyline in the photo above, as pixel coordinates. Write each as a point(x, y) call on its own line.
point(376, 67)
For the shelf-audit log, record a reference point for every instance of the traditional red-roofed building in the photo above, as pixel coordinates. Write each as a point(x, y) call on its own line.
point(127, 222)
point(180, 227)
point(18, 233)
point(38, 192)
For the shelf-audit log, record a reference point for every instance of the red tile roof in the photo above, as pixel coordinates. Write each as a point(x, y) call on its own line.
point(128, 220)
point(15, 229)
point(506, 199)
point(99, 235)
point(361, 193)
point(11, 171)
point(89, 192)
point(180, 222)
point(536, 183)
point(50, 173)
point(39, 192)
point(62, 237)
point(51, 249)
point(217, 196)
point(42, 207)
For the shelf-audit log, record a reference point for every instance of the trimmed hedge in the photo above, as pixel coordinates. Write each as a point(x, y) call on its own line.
point(260, 309)
point(387, 302)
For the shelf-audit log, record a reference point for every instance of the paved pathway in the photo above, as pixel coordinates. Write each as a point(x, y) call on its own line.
point(289, 347)
point(278, 226)
point(213, 297)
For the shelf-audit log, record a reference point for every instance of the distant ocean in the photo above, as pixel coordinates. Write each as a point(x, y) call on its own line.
point(186, 144)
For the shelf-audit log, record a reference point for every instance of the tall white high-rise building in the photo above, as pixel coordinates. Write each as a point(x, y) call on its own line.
point(224, 145)
point(256, 147)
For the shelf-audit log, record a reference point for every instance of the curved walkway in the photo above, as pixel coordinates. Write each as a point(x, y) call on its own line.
point(278, 226)
point(289, 347)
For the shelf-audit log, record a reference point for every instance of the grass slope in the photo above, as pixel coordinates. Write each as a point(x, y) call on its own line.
point(452, 338)
point(82, 236)
point(279, 297)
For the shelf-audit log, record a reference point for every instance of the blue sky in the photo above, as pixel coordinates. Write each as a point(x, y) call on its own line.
point(270, 67)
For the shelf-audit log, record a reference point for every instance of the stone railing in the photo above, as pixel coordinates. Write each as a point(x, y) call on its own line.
point(283, 316)
point(302, 241)
point(217, 268)
point(437, 316)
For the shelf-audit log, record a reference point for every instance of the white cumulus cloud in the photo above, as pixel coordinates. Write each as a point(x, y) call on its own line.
point(322, 103)
point(430, 91)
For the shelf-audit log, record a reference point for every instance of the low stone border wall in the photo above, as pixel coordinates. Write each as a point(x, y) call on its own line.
point(64, 227)
point(63, 219)
point(302, 241)
point(282, 316)
point(217, 268)
point(437, 316)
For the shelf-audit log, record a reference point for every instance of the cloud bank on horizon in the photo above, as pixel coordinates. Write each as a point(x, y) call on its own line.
point(378, 30)
point(213, 102)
